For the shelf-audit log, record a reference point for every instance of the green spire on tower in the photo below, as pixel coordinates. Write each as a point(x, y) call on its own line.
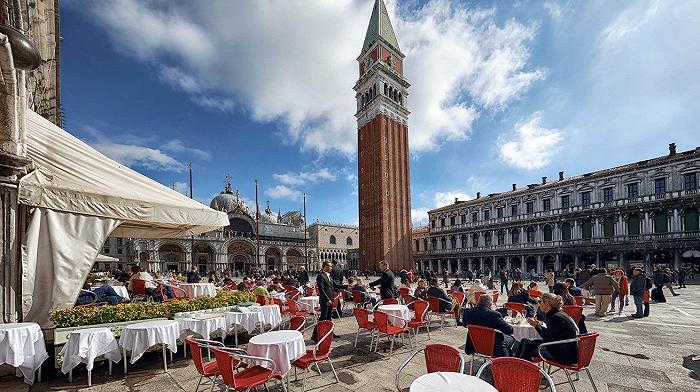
point(380, 27)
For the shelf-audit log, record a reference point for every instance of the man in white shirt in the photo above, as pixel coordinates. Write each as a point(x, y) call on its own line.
point(150, 285)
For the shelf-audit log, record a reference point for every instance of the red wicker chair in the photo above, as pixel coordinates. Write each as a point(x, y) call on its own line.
point(574, 311)
point(319, 354)
point(138, 289)
point(435, 309)
point(495, 297)
point(515, 306)
point(420, 308)
point(390, 301)
point(357, 299)
point(483, 339)
point(516, 375)
point(297, 323)
point(438, 358)
point(404, 291)
point(381, 319)
point(586, 347)
point(180, 294)
point(580, 301)
point(477, 294)
point(293, 310)
point(210, 370)
point(460, 297)
point(335, 304)
point(363, 322)
point(251, 377)
point(308, 291)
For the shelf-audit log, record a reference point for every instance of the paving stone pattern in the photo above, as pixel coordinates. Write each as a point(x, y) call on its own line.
point(651, 354)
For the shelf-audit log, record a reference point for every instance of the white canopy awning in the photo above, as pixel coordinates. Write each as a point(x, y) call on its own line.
point(105, 259)
point(74, 177)
point(80, 198)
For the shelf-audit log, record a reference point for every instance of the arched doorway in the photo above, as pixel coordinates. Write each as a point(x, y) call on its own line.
point(567, 264)
point(240, 255)
point(514, 262)
point(531, 265)
point(453, 265)
point(549, 263)
point(294, 259)
point(204, 255)
point(273, 259)
point(661, 259)
point(611, 260)
point(501, 262)
point(475, 264)
point(587, 259)
point(634, 259)
point(171, 255)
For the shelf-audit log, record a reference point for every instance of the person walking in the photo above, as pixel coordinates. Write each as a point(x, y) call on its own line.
point(337, 276)
point(326, 292)
point(503, 277)
point(603, 285)
point(549, 279)
point(667, 280)
point(681, 278)
point(637, 289)
point(622, 293)
point(385, 282)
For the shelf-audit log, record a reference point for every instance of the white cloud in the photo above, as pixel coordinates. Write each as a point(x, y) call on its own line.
point(181, 187)
point(557, 10)
point(305, 177)
point(177, 146)
point(628, 22)
point(459, 61)
point(283, 192)
point(419, 215)
point(445, 198)
point(531, 146)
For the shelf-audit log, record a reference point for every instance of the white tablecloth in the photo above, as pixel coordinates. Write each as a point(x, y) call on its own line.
point(137, 338)
point(121, 290)
point(271, 314)
point(22, 346)
point(396, 310)
point(525, 330)
point(84, 345)
point(309, 304)
point(203, 325)
point(247, 318)
point(283, 347)
point(453, 382)
point(278, 295)
point(198, 289)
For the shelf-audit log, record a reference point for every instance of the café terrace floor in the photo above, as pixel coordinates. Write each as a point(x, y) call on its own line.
point(651, 354)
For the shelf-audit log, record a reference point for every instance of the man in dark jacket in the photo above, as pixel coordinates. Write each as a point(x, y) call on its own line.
point(337, 276)
point(446, 303)
point(637, 287)
point(303, 276)
point(385, 282)
point(326, 293)
point(503, 278)
point(482, 315)
point(583, 276)
point(193, 275)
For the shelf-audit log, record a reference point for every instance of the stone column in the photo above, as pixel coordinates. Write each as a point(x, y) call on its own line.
point(577, 260)
point(676, 258)
point(523, 267)
point(459, 267)
point(540, 267)
point(557, 260)
point(597, 259)
point(647, 264)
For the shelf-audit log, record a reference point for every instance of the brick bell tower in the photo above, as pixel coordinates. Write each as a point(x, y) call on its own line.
point(382, 138)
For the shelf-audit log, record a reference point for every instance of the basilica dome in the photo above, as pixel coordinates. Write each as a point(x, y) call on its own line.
point(227, 201)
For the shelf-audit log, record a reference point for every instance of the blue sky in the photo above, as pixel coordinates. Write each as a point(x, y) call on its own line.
point(501, 92)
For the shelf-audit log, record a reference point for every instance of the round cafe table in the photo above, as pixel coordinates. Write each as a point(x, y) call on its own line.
point(139, 337)
point(282, 347)
point(84, 345)
point(396, 311)
point(454, 382)
point(193, 290)
point(246, 317)
point(309, 303)
point(523, 330)
point(22, 346)
point(271, 315)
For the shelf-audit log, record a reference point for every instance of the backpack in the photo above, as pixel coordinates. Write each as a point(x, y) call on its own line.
point(649, 283)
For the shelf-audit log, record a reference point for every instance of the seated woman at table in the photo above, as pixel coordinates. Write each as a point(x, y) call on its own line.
point(559, 326)
point(447, 303)
point(533, 291)
point(518, 294)
point(477, 286)
point(260, 289)
point(167, 289)
point(457, 286)
point(483, 316)
point(422, 290)
point(137, 273)
point(567, 299)
point(360, 286)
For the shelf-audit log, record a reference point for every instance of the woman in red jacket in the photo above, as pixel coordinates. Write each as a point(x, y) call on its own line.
point(621, 294)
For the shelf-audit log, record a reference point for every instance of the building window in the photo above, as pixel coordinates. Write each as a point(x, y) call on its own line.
point(453, 242)
point(433, 243)
point(120, 241)
point(417, 246)
point(660, 186)
point(586, 230)
point(607, 195)
point(425, 244)
point(463, 241)
point(475, 239)
point(514, 210)
point(120, 251)
point(690, 181)
point(475, 216)
point(442, 222)
point(499, 212)
point(565, 201)
point(463, 218)
point(452, 221)
point(546, 204)
point(332, 240)
point(529, 207)
point(349, 242)
point(609, 227)
point(633, 224)
point(501, 235)
point(690, 219)
point(530, 234)
point(515, 236)
point(105, 250)
point(660, 223)
point(432, 224)
point(585, 198)
point(443, 243)
point(547, 233)
point(487, 238)
point(487, 214)
point(566, 231)
point(632, 191)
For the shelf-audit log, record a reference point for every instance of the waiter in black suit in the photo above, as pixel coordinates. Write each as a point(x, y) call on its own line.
point(385, 282)
point(337, 277)
point(326, 287)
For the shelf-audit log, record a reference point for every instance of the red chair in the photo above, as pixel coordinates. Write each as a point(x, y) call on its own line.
point(574, 311)
point(404, 291)
point(483, 339)
point(362, 318)
point(389, 301)
point(251, 377)
point(477, 294)
point(420, 311)
point(438, 358)
point(297, 323)
point(381, 319)
point(516, 375)
point(308, 291)
point(138, 289)
point(319, 354)
point(408, 300)
point(210, 370)
point(460, 297)
point(357, 299)
point(435, 308)
point(179, 293)
point(293, 295)
point(495, 297)
point(580, 301)
point(334, 305)
point(293, 310)
point(288, 288)
point(515, 306)
point(585, 345)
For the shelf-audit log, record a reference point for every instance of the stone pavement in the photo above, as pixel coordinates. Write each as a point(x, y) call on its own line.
point(651, 354)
